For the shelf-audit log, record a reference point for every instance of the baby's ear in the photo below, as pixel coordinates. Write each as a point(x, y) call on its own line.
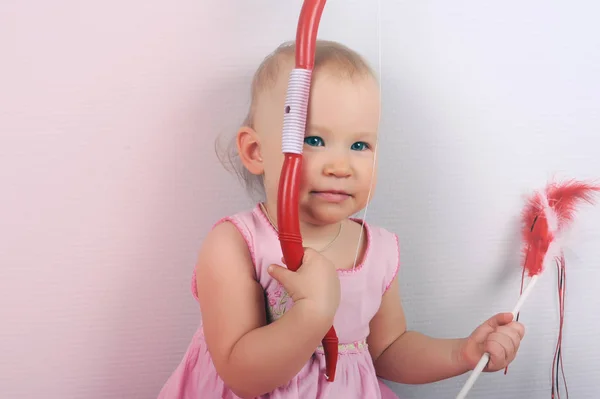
point(248, 146)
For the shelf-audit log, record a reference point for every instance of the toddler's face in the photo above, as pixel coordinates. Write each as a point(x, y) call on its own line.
point(339, 147)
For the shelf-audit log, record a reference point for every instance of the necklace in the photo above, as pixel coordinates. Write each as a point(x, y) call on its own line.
point(264, 209)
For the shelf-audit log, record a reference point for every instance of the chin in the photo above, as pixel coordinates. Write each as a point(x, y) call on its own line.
point(328, 213)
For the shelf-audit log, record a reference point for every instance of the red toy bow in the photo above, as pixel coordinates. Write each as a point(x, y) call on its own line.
point(294, 125)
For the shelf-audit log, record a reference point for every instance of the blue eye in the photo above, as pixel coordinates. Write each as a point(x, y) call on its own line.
point(314, 141)
point(360, 146)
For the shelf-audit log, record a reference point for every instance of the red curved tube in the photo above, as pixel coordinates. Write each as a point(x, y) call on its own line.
point(306, 33)
point(289, 183)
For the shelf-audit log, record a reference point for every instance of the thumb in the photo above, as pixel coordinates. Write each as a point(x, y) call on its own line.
point(499, 319)
point(282, 275)
point(481, 333)
point(310, 255)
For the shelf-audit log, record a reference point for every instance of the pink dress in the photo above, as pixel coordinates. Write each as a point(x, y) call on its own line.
point(361, 292)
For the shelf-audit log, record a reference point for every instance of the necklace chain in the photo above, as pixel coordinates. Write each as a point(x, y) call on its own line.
point(266, 212)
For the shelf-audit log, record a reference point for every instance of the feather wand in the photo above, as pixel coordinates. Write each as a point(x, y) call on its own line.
point(546, 215)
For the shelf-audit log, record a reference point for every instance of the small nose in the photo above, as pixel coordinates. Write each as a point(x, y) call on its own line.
point(338, 166)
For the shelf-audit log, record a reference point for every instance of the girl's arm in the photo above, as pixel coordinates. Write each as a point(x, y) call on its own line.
point(251, 357)
point(413, 358)
point(405, 356)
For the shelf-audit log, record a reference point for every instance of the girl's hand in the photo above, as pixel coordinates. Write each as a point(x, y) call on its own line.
point(316, 283)
point(499, 336)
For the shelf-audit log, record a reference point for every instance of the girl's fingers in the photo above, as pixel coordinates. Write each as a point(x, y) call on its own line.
point(503, 345)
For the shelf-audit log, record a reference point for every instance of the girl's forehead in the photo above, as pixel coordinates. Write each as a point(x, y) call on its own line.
point(345, 104)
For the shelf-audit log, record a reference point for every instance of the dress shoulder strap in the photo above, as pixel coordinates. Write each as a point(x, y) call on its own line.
point(249, 225)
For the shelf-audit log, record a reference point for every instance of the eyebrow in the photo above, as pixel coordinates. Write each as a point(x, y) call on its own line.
point(312, 128)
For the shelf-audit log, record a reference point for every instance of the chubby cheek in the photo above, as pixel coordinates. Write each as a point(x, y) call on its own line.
point(272, 173)
point(272, 168)
point(372, 181)
point(309, 170)
point(368, 182)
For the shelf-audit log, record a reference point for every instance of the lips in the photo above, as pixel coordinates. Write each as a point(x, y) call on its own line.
point(330, 192)
point(335, 196)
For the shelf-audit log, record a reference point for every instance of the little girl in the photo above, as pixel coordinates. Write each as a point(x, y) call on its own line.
point(262, 324)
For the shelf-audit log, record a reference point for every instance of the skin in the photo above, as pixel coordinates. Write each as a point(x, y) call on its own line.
point(254, 358)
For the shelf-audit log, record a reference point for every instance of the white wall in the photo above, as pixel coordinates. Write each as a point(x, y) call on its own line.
point(480, 100)
point(108, 113)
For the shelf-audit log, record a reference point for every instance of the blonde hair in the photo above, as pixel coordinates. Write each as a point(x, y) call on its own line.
point(346, 62)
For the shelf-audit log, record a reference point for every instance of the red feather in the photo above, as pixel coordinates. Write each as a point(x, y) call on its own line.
point(558, 201)
point(564, 198)
point(536, 235)
point(547, 214)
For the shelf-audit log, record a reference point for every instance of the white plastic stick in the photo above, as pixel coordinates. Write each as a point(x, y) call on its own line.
point(486, 356)
point(524, 296)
